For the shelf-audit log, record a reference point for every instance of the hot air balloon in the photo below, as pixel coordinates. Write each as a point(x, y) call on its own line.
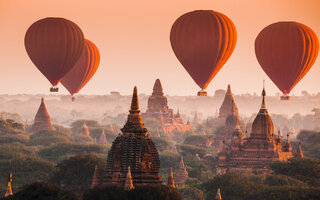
point(286, 51)
point(54, 45)
point(83, 70)
point(203, 41)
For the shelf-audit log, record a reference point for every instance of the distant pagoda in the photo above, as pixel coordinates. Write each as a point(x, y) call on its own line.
point(42, 120)
point(85, 130)
point(257, 151)
point(181, 174)
point(135, 149)
point(299, 152)
point(159, 110)
point(218, 195)
point(102, 139)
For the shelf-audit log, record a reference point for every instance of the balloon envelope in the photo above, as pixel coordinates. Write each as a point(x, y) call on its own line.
point(54, 45)
point(83, 70)
point(203, 41)
point(286, 51)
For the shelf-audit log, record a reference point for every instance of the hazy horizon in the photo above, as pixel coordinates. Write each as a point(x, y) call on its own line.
point(133, 39)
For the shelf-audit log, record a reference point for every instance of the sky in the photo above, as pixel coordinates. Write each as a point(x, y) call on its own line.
point(133, 39)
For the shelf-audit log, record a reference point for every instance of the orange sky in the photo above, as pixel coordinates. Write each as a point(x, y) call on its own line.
point(133, 38)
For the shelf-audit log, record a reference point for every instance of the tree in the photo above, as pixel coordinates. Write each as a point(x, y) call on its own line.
point(47, 138)
point(43, 191)
point(159, 192)
point(190, 193)
point(306, 170)
point(76, 173)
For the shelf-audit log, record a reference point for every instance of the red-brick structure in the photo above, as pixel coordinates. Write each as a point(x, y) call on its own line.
point(181, 175)
point(85, 130)
point(257, 151)
point(42, 120)
point(159, 110)
point(133, 148)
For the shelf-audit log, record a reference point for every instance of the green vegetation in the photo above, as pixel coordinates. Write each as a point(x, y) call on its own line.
point(43, 191)
point(76, 173)
point(160, 192)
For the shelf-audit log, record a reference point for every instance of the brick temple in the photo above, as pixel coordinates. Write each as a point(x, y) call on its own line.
point(257, 151)
point(42, 120)
point(159, 110)
point(133, 148)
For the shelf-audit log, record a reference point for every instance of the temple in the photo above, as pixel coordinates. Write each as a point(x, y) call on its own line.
point(159, 110)
point(85, 130)
point(227, 108)
point(133, 148)
point(218, 195)
point(255, 152)
point(181, 174)
point(299, 152)
point(42, 120)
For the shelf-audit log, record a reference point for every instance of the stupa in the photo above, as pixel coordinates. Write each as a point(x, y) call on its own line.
point(102, 139)
point(159, 110)
point(170, 182)
point(133, 148)
point(42, 120)
point(85, 130)
point(181, 174)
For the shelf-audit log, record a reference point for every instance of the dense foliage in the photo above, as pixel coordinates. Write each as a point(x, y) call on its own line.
point(76, 173)
point(160, 192)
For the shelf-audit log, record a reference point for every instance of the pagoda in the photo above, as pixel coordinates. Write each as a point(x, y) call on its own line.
point(42, 120)
point(227, 108)
point(182, 174)
point(299, 152)
point(85, 130)
point(159, 110)
point(255, 152)
point(170, 182)
point(102, 139)
point(133, 148)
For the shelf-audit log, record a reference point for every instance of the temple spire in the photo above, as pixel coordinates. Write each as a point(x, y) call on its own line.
point(299, 151)
point(263, 108)
point(128, 184)
point(9, 189)
point(218, 196)
point(170, 180)
point(95, 180)
point(157, 88)
point(134, 122)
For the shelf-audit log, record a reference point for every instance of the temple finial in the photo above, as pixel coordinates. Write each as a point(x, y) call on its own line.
point(170, 180)
point(128, 184)
point(299, 151)
point(263, 105)
point(218, 196)
point(135, 101)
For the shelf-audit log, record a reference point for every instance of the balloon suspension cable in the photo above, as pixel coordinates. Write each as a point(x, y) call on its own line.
point(73, 98)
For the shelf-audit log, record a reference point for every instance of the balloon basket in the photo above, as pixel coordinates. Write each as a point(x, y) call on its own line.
point(202, 93)
point(73, 99)
point(285, 98)
point(54, 89)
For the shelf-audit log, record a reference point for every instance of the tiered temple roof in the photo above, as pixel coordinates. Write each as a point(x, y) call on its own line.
point(257, 151)
point(182, 174)
point(133, 148)
point(42, 120)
